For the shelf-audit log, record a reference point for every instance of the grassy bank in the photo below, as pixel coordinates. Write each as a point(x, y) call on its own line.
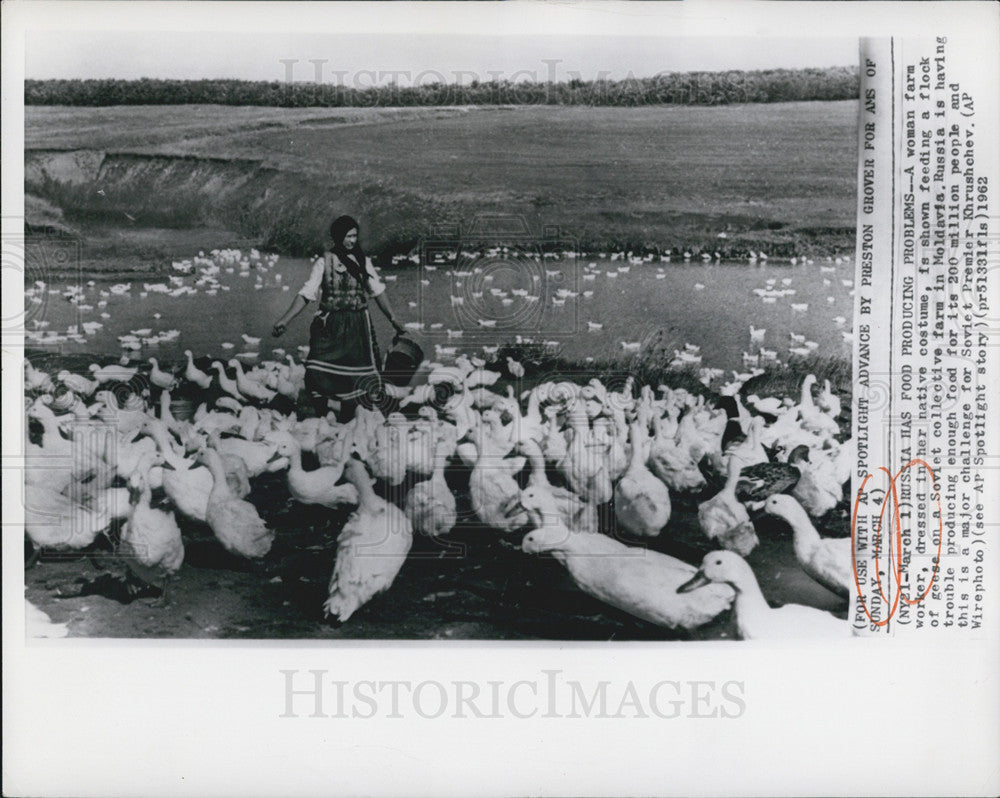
point(775, 178)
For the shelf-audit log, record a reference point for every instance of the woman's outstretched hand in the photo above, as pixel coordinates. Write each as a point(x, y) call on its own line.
point(278, 330)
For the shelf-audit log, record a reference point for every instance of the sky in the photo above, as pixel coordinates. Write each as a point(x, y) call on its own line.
point(367, 58)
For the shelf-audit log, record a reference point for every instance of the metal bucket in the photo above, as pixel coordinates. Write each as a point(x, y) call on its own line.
point(402, 361)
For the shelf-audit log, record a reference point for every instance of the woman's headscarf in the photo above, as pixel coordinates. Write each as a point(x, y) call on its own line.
point(353, 259)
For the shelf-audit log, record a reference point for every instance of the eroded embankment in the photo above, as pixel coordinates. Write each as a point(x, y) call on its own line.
point(280, 210)
point(86, 191)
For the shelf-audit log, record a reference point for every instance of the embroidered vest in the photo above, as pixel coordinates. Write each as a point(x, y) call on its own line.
point(340, 290)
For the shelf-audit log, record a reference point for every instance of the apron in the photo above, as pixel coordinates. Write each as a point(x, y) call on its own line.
point(343, 361)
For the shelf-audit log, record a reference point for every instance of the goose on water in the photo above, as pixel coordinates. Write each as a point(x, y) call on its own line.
point(112, 373)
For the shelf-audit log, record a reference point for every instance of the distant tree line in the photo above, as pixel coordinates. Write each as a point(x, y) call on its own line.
point(669, 88)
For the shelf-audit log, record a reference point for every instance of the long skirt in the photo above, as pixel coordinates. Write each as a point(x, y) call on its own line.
point(343, 360)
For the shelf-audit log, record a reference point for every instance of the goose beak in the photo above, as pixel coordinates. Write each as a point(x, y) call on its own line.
point(274, 458)
point(277, 465)
point(167, 465)
point(696, 581)
point(512, 505)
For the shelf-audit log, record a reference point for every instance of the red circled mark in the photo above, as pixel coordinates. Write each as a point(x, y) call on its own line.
point(895, 553)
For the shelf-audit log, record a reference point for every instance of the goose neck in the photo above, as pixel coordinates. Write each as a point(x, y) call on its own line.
point(533, 411)
point(806, 398)
point(295, 459)
point(537, 462)
point(439, 461)
point(748, 594)
point(213, 460)
point(366, 493)
point(160, 437)
point(636, 439)
point(733, 474)
point(805, 534)
point(50, 427)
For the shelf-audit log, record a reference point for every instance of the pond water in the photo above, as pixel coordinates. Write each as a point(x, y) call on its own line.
point(708, 305)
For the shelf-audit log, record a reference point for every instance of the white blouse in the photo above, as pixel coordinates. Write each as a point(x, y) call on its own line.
point(314, 285)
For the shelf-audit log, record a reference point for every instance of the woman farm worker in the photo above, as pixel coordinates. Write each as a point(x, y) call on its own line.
point(343, 356)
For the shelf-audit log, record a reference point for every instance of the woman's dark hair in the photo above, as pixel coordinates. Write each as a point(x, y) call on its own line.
point(354, 258)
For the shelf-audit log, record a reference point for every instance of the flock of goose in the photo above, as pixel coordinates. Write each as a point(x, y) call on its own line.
point(474, 294)
point(482, 298)
point(582, 472)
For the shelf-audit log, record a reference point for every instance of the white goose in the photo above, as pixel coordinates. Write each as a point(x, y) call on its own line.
point(77, 383)
point(194, 374)
point(250, 388)
point(388, 460)
point(492, 488)
point(827, 560)
point(112, 373)
point(55, 521)
point(812, 418)
point(159, 378)
point(574, 512)
point(430, 505)
point(371, 548)
point(671, 462)
point(186, 485)
point(258, 456)
point(151, 540)
point(36, 379)
point(827, 401)
point(296, 372)
point(235, 522)
point(317, 486)
point(642, 502)
point(724, 520)
point(584, 466)
point(638, 581)
point(227, 384)
point(819, 488)
point(755, 620)
point(237, 472)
